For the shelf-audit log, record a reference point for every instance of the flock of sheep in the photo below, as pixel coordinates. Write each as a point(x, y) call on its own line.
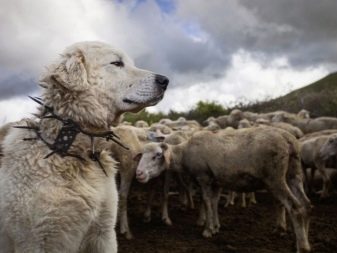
point(240, 152)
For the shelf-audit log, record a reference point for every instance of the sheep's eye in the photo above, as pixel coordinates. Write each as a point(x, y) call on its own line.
point(157, 156)
point(117, 63)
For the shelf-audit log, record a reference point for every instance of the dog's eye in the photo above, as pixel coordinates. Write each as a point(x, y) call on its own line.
point(117, 63)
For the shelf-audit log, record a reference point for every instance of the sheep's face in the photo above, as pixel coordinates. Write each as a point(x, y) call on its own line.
point(153, 161)
point(329, 148)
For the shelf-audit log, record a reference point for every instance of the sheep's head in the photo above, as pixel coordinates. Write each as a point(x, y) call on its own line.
point(329, 148)
point(152, 161)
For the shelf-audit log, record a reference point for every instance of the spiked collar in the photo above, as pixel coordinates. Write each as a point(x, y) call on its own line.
point(67, 135)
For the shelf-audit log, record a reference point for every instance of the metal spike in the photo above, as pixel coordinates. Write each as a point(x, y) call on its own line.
point(120, 144)
point(29, 139)
point(115, 135)
point(50, 154)
point(73, 155)
point(39, 98)
point(100, 165)
point(26, 127)
point(36, 100)
point(50, 117)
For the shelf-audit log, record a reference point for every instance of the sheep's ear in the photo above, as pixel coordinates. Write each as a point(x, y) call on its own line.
point(137, 157)
point(71, 73)
point(166, 154)
point(164, 146)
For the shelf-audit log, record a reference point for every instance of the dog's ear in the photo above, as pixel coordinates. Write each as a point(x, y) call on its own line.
point(70, 73)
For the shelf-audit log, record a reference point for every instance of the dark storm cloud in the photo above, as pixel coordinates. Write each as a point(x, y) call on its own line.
point(304, 31)
point(313, 35)
point(191, 41)
point(16, 84)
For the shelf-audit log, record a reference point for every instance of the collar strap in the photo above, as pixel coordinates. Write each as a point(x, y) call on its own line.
point(67, 135)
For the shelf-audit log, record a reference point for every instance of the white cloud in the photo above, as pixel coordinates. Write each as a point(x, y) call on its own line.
point(15, 109)
point(211, 50)
point(246, 79)
point(34, 32)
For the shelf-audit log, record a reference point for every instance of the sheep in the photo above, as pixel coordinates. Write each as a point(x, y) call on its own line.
point(183, 124)
point(295, 131)
point(244, 123)
point(164, 129)
point(174, 139)
point(230, 198)
point(316, 153)
point(141, 133)
point(181, 120)
point(234, 118)
point(127, 168)
point(146, 135)
point(251, 116)
point(126, 123)
point(222, 121)
point(134, 138)
point(303, 114)
point(165, 121)
point(185, 187)
point(141, 124)
point(212, 126)
point(192, 126)
point(307, 125)
point(208, 120)
point(231, 120)
point(317, 134)
point(242, 160)
point(173, 123)
point(262, 121)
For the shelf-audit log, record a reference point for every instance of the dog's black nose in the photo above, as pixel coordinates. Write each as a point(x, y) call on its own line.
point(162, 81)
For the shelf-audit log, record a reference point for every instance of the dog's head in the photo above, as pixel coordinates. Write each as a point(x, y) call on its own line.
point(101, 80)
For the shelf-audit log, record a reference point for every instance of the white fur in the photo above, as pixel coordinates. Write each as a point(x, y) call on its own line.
point(64, 204)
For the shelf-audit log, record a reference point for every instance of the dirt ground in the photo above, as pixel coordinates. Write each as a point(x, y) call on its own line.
point(243, 229)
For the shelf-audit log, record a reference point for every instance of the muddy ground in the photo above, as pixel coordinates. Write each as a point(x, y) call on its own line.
point(243, 229)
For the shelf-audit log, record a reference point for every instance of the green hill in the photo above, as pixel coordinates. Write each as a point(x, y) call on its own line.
point(320, 98)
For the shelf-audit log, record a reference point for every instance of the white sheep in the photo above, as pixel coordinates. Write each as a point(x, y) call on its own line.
point(164, 183)
point(242, 160)
point(127, 169)
point(315, 154)
point(141, 124)
point(307, 125)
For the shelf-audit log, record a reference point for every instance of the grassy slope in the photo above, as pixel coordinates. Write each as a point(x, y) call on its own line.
point(320, 98)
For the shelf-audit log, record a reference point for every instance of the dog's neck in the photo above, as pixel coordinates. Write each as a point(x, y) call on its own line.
point(78, 106)
point(60, 133)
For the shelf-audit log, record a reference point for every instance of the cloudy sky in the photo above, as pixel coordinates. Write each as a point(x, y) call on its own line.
point(216, 50)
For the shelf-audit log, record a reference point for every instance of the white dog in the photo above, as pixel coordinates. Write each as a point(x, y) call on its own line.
point(68, 201)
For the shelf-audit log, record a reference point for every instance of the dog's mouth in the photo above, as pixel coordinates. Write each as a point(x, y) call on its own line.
point(150, 102)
